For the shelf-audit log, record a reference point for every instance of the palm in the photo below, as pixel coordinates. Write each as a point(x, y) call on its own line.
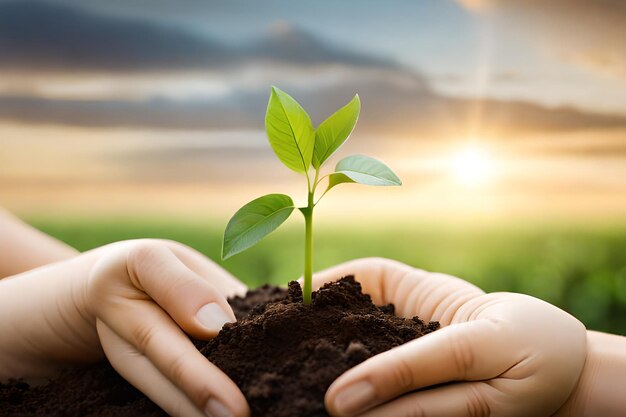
point(508, 354)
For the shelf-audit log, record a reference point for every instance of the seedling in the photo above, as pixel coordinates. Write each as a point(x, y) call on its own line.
point(302, 149)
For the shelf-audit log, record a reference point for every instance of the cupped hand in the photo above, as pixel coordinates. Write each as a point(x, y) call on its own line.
point(136, 301)
point(499, 354)
point(143, 296)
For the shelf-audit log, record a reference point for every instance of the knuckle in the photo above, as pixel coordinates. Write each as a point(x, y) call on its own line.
point(477, 405)
point(378, 260)
point(170, 290)
point(141, 251)
point(416, 410)
point(143, 335)
point(141, 258)
point(108, 271)
point(176, 370)
point(97, 285)
point(463, 355)
point(402, 375)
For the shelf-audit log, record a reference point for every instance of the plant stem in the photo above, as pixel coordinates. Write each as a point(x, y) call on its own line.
point(308, 251)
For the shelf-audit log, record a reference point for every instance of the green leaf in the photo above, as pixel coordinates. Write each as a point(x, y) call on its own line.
point(254, 221)
point(337, 178)
point(334, 131)
point(289, 131)
point(362, 170)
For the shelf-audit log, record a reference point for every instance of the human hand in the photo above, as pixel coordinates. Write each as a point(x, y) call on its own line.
point(499, 354)
point(23, 247)
point(132, 301)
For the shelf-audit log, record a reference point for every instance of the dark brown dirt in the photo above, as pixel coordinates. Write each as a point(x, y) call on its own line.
point(282, 354)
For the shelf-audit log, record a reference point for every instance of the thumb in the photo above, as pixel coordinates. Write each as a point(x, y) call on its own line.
point(372, 273)
point(335, 273)
point(458, 399)
point(195, 304)
point(473, 350)
point(151, 271)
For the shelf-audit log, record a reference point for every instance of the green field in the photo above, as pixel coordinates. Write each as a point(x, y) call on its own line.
point(579, 268)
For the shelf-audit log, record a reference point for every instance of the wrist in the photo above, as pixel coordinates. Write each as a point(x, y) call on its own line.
point(44, 320)
point(600, 390)
point(23, 248)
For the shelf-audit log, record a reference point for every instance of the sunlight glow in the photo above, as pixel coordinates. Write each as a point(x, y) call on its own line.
point(472, 166)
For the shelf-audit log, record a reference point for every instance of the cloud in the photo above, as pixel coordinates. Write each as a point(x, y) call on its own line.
point(36, 36)
point(157, 114)
point(495, 77)
point(584, 32)
point(387, 110)
point(286, 43)
point(610, 62)
point(44, 37)
point(80, 46)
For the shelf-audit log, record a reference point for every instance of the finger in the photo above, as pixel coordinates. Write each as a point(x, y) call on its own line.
point(414, 292)
point(143, 375)
point(475, 350)
point(196, 305)
point(371, 273)
point(473, 399)
point(225, 282)
point(149, 330)
point(368, 274)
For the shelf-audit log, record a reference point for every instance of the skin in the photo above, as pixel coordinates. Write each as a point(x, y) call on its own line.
point(600, 390)
point(124, 301)
point(23, 247)
point(499, 354)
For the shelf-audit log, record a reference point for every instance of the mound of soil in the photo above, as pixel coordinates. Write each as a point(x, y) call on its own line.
point(282, 354)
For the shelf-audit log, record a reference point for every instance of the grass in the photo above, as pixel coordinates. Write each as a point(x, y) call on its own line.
point(580, 269)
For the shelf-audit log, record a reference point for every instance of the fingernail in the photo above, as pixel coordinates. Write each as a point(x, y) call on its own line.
point(213, 317)
point(214, 408)
point(354, 398)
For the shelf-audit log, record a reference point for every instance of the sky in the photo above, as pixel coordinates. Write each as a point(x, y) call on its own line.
point(491, 108)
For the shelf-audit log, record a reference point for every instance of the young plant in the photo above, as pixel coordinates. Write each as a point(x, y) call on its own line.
point(302, 149)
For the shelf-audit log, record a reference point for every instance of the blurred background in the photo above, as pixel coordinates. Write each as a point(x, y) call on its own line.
point(506, 121)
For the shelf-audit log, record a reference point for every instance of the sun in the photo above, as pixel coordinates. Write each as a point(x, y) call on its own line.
point(472, 166)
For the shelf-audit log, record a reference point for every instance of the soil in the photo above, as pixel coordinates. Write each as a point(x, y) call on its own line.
point(282, 354)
